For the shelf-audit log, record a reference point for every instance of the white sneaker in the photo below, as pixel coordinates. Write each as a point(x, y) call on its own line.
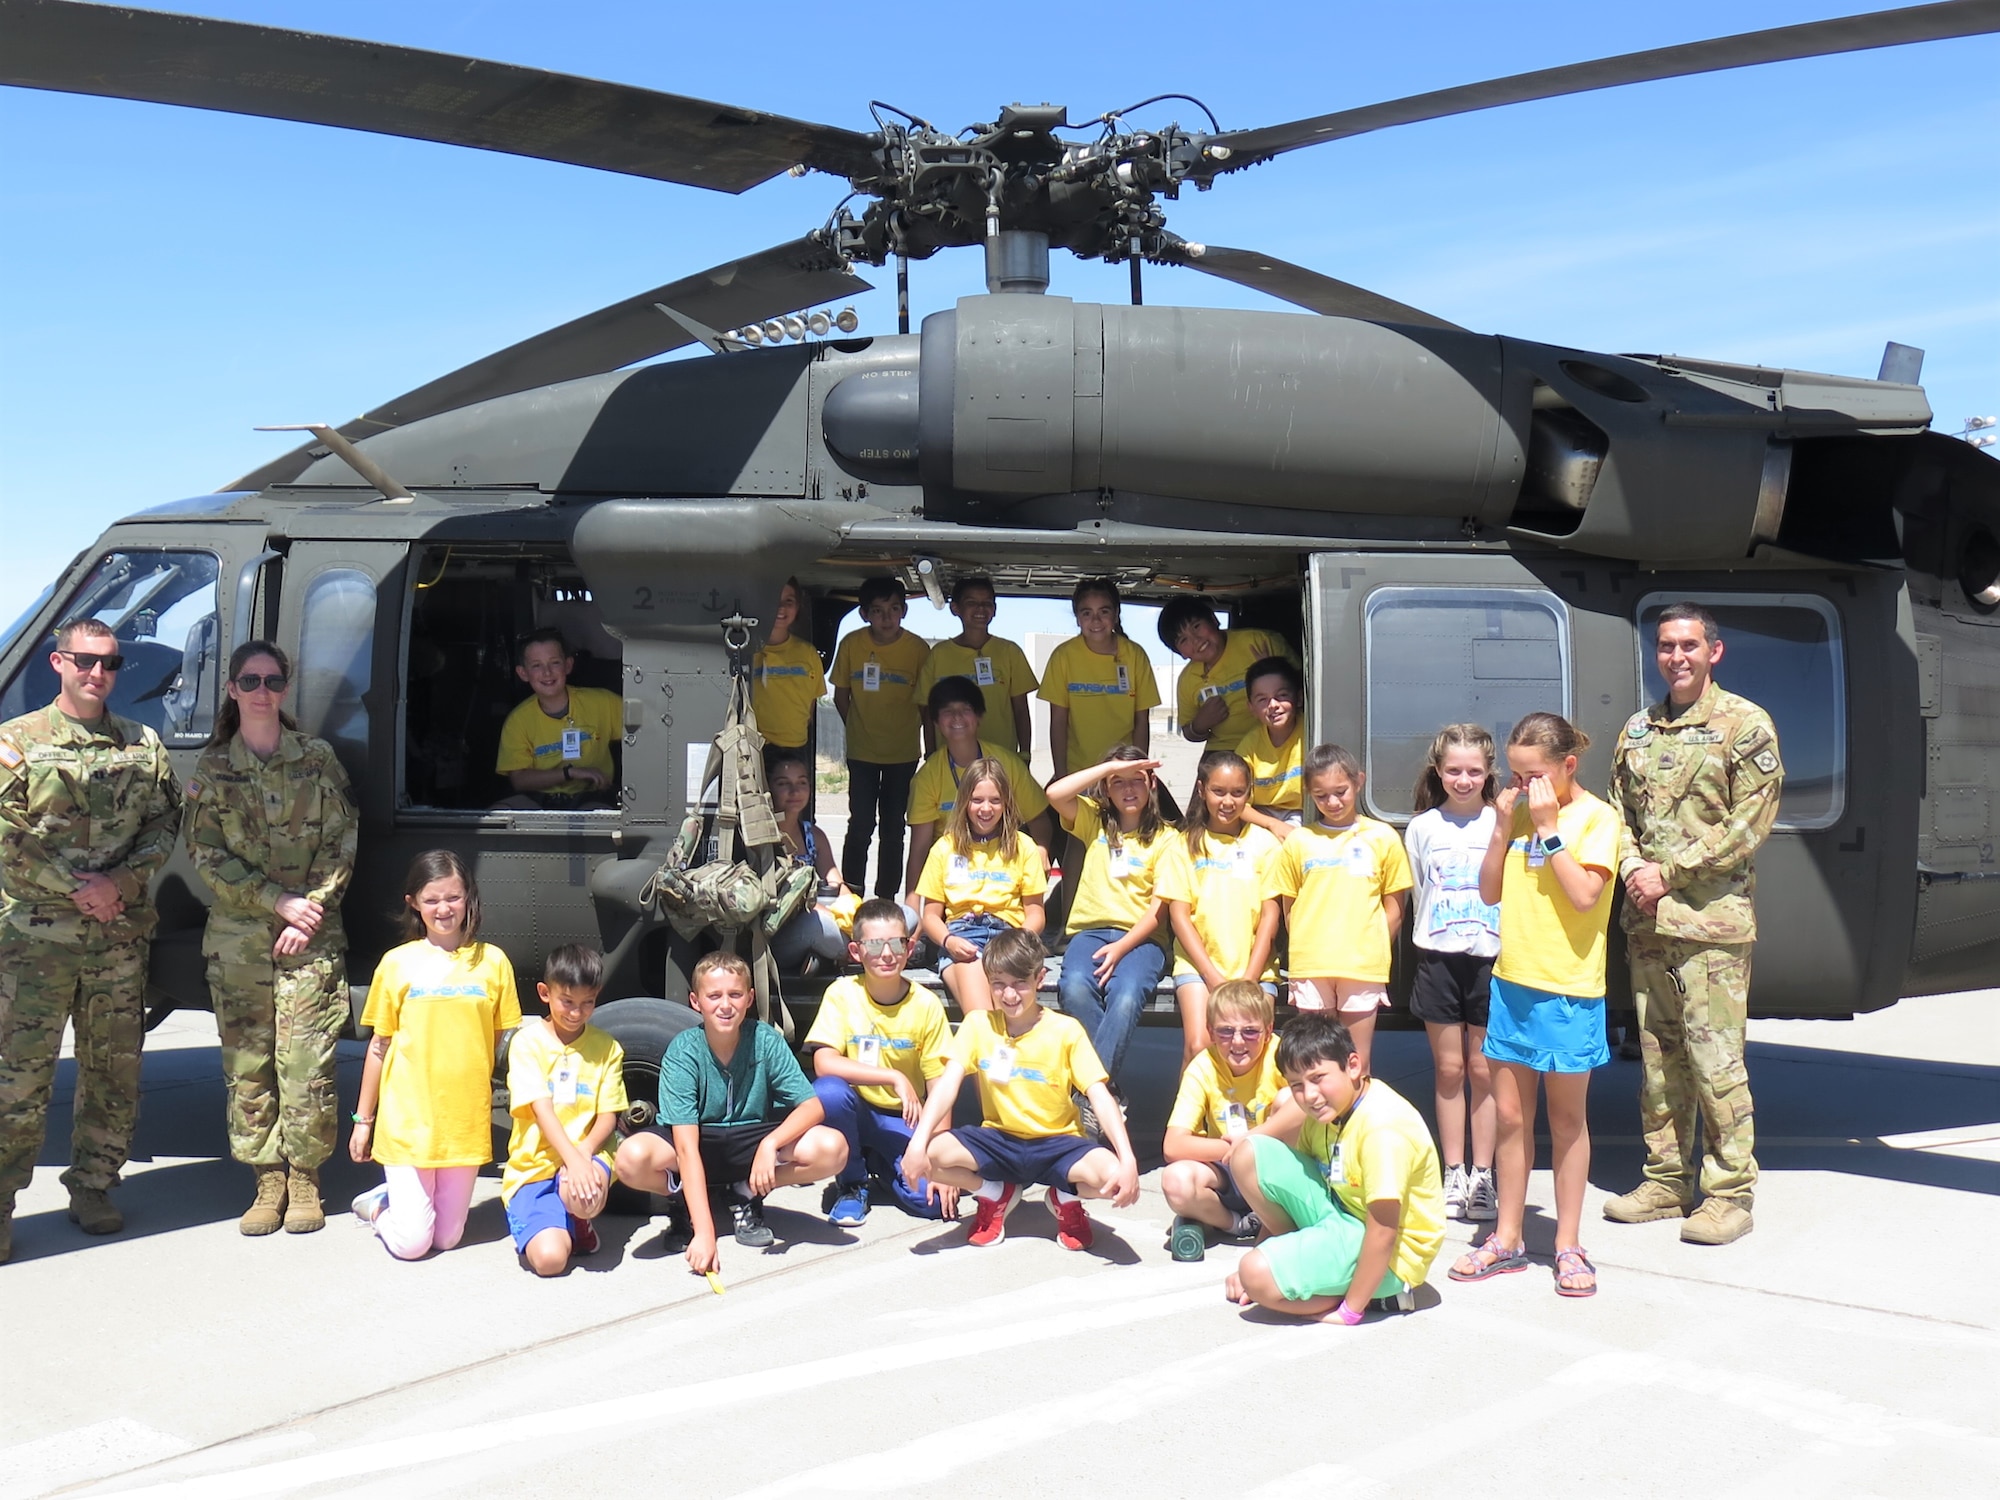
point(1482, 1199)
point(1456, 1187)
point(368, 1206)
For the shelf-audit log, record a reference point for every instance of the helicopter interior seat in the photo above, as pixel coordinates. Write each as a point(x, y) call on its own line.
point(190, 702)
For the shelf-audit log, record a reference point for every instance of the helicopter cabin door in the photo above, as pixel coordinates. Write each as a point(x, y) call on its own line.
point(1398, 645)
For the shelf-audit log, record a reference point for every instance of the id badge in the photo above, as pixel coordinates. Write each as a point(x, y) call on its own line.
point(572, 744)
point(1208, 690)
point(1000, 1065)
point(1336, 1170)
point(1537, 855)
point(1124, 678)
point(982, 670)
point(868, 1051)
point(562, 1086)
point(1235, 1120)
point(871, 677)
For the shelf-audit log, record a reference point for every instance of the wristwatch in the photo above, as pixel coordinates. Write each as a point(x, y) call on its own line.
point(1553, 844)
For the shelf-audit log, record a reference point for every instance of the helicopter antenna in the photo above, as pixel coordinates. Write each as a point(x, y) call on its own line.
point(392, 493)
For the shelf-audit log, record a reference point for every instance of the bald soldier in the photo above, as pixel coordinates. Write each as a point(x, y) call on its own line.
point(1696, 779)
point(89, 811)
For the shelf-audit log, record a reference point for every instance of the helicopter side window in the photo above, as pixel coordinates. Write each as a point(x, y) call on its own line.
point(1435, 656)
point(336, 649)
point(1783, 653)
point(162, 607)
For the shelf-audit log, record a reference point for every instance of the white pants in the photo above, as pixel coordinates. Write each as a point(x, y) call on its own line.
point(427, 1208)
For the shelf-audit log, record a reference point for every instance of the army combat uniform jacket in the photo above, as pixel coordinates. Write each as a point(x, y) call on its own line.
point(76, 799)
point(1697, 793)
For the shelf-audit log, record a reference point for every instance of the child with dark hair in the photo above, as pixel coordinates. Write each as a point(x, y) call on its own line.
point(1098, 684)
point(1211, 695)
point(1275, 749)
point(812, 937)
point(957, 707)
point(874, 691)
point(997, 666)
point(786, 678)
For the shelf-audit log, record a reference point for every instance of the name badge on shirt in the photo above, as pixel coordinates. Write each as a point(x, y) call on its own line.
point(1235, 1120)
point(562, 1084)
point(572, 744)
point(1537, 855)
point(1336, 1170)
point(871, 677)
point(1124, 679)
point(1000, 1065)
point(982, 670)
point(1208, 690)
point(868, 1051)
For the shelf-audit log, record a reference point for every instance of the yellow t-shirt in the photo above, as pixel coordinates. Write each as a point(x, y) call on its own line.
point(1241, 650)
point(1115, 890)
point(986, 882)
point(1102, 694)
point(532, 741)
point(910, 1036)
point(934, 789)
point(1337, 879)
point(999, 669)
point(1545, 942)
point(1225, 889)
point(445, 1012)
point(1276, 776)
point(786, 683)
point(581, 1081)
point(1383, 1151)
point(1025, 1082)
point(1208, 1090)
point(884, 725)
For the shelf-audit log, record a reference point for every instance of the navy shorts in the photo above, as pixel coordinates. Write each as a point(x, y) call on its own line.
point(1021, 1160)
point(536, 1206)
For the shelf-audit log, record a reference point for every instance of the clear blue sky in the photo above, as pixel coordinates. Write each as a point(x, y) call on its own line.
point(170, 278)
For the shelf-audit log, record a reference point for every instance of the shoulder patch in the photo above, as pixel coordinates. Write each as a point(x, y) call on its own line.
point(1636, 727)
point(1766, 761)
point(192, 790)
point(10, 754)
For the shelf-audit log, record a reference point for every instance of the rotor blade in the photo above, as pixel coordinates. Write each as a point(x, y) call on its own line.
point(1886, 28)
point(1296, 284)
point(430, 96)
point(783, 279)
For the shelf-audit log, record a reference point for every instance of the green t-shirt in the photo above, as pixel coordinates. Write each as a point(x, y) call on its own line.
point(762, 1084)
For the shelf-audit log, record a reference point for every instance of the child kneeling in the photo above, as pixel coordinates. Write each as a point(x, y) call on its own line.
point(565, 1090)
point(1349, 1191)
point(1029, 1063)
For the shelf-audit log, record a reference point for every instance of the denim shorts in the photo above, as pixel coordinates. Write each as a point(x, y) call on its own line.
point(978, 930)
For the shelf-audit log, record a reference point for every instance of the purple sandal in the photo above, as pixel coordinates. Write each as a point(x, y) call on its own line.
point(1489, 1259)
point(1573, 1262)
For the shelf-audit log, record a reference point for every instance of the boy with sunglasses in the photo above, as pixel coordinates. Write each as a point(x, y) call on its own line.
point(876, 1045)
point(1232, 1086)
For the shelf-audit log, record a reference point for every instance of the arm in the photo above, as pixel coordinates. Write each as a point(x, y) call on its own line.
point(1039, 829)
point(1142, 932)
point(1034, 914)
point(360, 1143)
point(221, 868)
point(1142, 728)
point(1064, 791)
point(533, 780)
point(1378, 1245)
point(702, 1255)
point(1493, 865)
point(1024, 726)
point(1059, 739)
point(843, 700)
point(1182, 1144)
point(831, 1062)
point(943, 1094)
point(1582, 884)
point(332, 864)
point(154, 844)
point(1393, 905)
point(1724, 846)
point(807, 1113)
point(1111, 1120)
point(1266, 939)
point(1279, 827)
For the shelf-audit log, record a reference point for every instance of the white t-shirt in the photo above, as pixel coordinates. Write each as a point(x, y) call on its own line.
point(1445, 854)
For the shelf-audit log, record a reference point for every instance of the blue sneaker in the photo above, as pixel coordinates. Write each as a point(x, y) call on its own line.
point(850, 1205)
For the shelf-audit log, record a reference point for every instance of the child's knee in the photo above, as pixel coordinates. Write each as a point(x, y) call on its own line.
point(548, 1253)
point(1182, 1182)
point(644, 1161)
point(821, 1150)
point(1254, 1271)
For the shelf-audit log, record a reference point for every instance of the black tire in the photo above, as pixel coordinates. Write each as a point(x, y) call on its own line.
point(642, 1025)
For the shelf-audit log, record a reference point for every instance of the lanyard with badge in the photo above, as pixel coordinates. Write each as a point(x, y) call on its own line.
point(563, 1082)
point(1336, 1168)
point(1000, 1064)
point(982, 670)
point(871, 676)
point(868, 1050)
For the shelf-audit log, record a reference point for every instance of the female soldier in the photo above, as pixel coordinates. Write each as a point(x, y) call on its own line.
point(272, 832)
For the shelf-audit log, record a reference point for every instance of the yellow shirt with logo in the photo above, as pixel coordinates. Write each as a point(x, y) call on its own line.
point(934, 789)
point(1337, 878)
point(999, 669)
point(1219, 1104)
point(1102, 694)
point(786, 683)
point(1025, 1082)
point(444, 1012)
point(1115, 890)
point(1545, 942)
point(987, 881)
point(1276, 776)
point(581, 1080)
point(1241, 650)
point(884, 725)
point(910, 1035)
point(531, 740)
point(1225, 889)
point(1382, 1152)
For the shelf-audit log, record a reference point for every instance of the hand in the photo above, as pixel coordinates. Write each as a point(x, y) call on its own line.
point(916, 1167)
point(1105, 962)
point(946, 1199)
point(1233, 1290)
point(906, 1095)
point(1645, 885)
point(582, 1192)
point(291, 943)
point(596, 780)
point(361, 1140)
point(701, 1255)
point(1503, 807)
point(301, 912)
point(961, 950)
point(763, 1168)
point(1124, 1186)
point(97, 898)
point(1542, 806)
point(1210, 714)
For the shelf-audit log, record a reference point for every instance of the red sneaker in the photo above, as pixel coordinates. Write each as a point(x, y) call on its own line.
point(1073, 1227)
point(990, 1227)
point(582, 1236)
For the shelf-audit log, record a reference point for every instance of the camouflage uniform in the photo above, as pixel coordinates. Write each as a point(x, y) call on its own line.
point(257, 830)
point(1698, 792)
point(76, 798)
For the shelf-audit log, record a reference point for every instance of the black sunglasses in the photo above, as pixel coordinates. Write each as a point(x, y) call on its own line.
point(85, 660)
point(249, 682)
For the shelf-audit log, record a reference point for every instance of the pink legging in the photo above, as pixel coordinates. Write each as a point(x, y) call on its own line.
point(427, 1208)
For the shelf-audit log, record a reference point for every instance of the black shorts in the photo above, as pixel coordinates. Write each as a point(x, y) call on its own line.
point(1451, 989)
point(726, 1150)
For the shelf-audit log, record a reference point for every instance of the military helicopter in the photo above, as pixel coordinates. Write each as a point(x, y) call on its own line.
point(1447, 524)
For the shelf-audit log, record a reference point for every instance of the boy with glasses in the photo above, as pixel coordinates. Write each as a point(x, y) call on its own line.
point(1230, 1088)
point(876, 1045)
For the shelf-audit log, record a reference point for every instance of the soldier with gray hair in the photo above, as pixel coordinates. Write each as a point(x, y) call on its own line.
point(1696, 779)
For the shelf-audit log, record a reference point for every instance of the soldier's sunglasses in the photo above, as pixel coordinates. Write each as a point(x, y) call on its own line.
point(85, 660)
point(249, 682)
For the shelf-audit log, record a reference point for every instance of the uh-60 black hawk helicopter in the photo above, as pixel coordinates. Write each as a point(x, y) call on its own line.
point(1447, 524)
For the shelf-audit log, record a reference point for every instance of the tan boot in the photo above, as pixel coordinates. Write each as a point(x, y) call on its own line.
point(1648, 1201)
point(6, 1236)
point(1719, 1221)
point(92, 1211)
point(262, 1216)
point(304, 1214)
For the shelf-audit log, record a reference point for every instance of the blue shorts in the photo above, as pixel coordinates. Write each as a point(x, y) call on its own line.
point(1549, 1033)
point(979, 929)
point(1182, 981)
point(1001, 1157)
point(536, 1206)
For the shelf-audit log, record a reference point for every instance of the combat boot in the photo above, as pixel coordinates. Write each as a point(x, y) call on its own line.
point(262, 1217)
point(6, 1235)
point(303, 1214)
point(92, 1211)
point(1648, 1201)
point(1719, 1221)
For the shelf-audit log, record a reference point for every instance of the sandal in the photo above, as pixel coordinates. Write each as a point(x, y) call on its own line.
point(1489, 1259)
point(1572, 1263)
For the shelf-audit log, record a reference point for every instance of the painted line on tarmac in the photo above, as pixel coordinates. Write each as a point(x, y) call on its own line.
point(676, 1402)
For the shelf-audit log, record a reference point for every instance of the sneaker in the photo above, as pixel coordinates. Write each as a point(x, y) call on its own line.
point(368, 1206)
point(1247, 1227)
point(1187, 1240)
point(850, 1205)
point(1455, 1190)
point(583, 1238)
point(679, 1228)
point(748, 1217)
point(1719, 1221)
point(1482, 1196)
point(1648, 1201)
point(1086, 1114)
point(989, 1226)
point(1073, 1227)
point(92, 1211)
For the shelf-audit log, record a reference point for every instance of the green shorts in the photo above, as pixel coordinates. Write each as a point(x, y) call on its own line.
point(1317, 1258)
